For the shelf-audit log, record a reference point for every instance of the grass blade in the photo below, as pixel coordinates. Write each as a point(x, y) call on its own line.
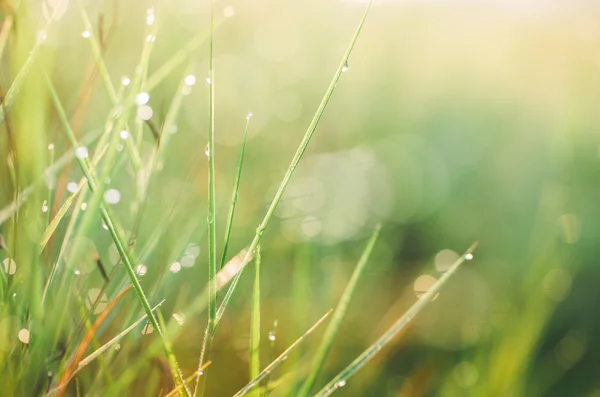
point(255, 327)
point(367, 355)
point(67, 374)
point(296, 159)
point(114, 230)
point(282, 357)
point(92, 356)
point(235, 194)
point(338, 316)
point(212, 244)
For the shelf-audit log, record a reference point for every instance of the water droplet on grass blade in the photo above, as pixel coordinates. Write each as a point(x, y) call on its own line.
point(82, 152)
point(175, 267)
point(142, 98)
point(125, 81)
point(272, 336)
point(190, 80)
point(112, 196)
point(45, 206)
point(207, 150)
point(72, 187)
point(10, 266)
point(141, 270)
point(150, 38)
point(341, 383)
point(24, 336)
point(86, 34)
point(124, 134)
point(469, 256)
point(345, 67)
point(145, 113)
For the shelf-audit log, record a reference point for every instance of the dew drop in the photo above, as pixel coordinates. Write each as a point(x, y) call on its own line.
point(249, 116)
point(175, 267)
point(341, 383)
point(150, 19)
point(10, 266)
point(208, 80)
point(86, 34)
point(82, 152)
point(24, 336)
point(207, 150)
point(104, 226)
point(200, 373)
point(190, 80)
point(124, 134)
point(180, 318)
point(272, 336)
point(144, 113)
point(112, 196)
point(119, 148)
point(77, 272)
point(150, 38)
point(148, 329)
point(141, 270)
point(51, 147)
point(72, 187)
point(118, 347)
point(83, 206)
point(142, 98)
point(125, 81)
point(45, 206)
point(345, 67)
point(469, 256)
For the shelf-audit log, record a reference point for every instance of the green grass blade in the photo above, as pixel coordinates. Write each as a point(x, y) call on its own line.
point(212, 243)
point(415, 309)
point(255, 326)
point(296, 159)
point(282, 357)
point(338, 316)
point(114, 230)
point(92, 356)
point(235, 194)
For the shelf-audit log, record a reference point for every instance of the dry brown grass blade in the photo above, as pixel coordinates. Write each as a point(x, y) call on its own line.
point(87, 338)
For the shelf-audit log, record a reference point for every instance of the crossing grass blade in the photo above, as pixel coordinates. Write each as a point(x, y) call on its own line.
point(282, 357)
point(114, 230)
point(338, 316)
point(340, 380)
point(234, 195)
point(295, 160)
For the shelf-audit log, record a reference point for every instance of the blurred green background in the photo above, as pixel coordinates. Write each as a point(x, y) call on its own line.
point(457, 121)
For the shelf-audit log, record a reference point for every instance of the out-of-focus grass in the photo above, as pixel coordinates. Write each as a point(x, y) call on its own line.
point(454, 122)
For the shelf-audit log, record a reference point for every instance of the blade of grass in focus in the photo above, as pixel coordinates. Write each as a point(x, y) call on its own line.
point(255, 326)
point(338, 316)
point(212, 243)
point(282, 357)
point(341, 379)
point(296, 159)
point(114, 231)
point(234, 197)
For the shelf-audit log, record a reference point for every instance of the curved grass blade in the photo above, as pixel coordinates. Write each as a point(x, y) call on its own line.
point(282, 357)
point(67, 374)
point(255, 326)
point(367, 355)
point(114, 230)
point(295, 160)
point(338, 316)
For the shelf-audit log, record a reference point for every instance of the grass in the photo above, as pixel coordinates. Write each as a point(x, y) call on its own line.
point(99, 297)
